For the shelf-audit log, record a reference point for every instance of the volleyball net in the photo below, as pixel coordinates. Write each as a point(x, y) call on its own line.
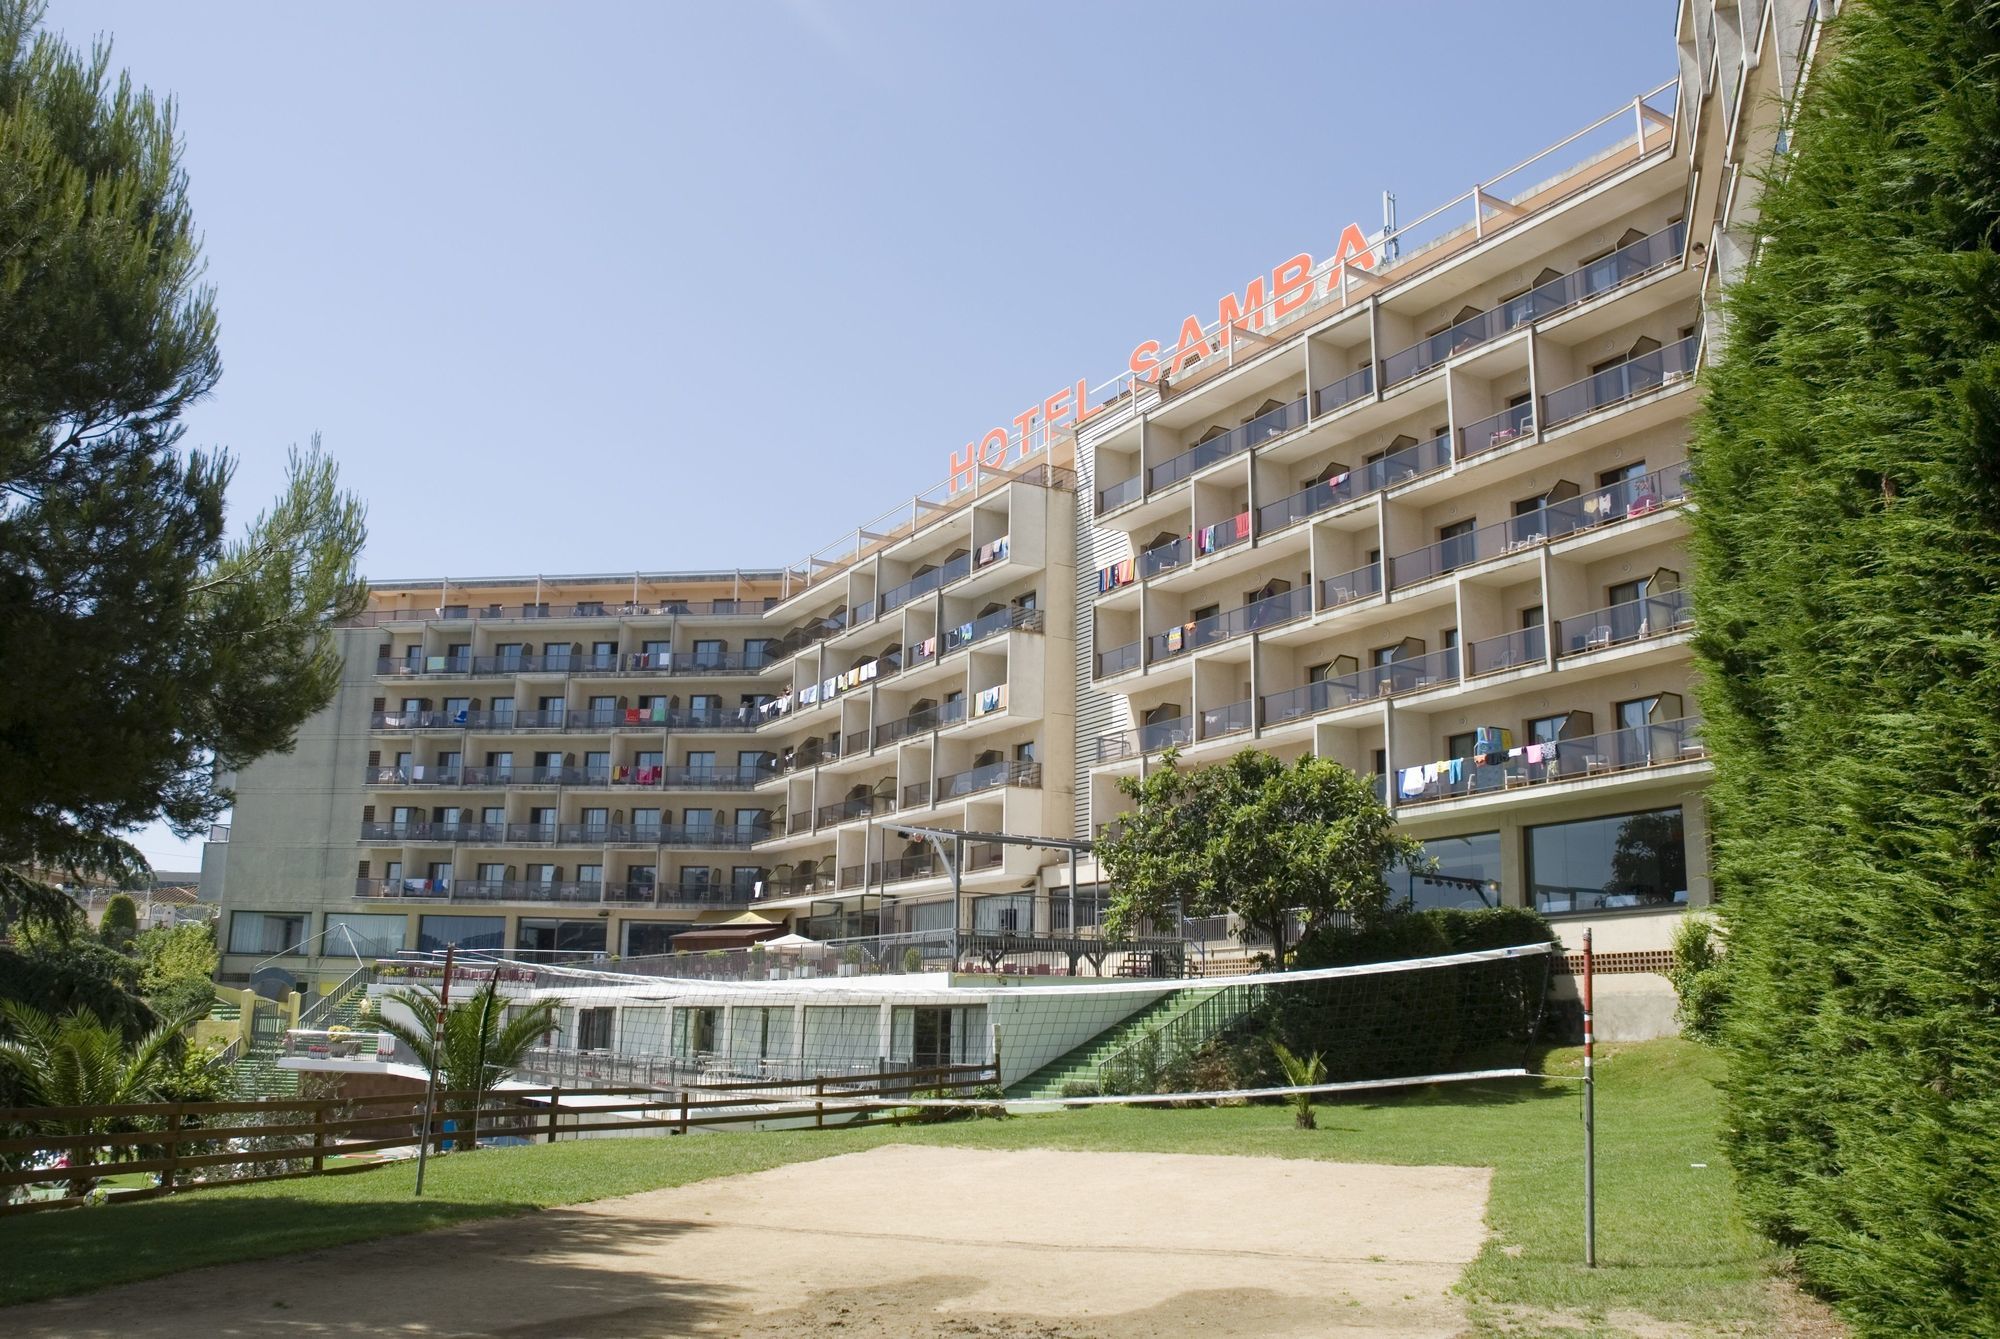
point(748, 1030)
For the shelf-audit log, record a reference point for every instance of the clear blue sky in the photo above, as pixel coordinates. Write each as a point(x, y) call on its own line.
point(598, 287)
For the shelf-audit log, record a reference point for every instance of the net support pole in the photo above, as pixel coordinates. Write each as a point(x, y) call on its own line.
point(1589, 1119)
point(431, 1081)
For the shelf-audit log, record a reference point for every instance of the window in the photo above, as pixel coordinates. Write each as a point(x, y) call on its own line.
point(493, 814)
point(1545, 729)
point(1636, 470)
point(701, 762)
point(593, 1029)
point(551, 936)
point(743, 878)
point(1626, 592)
point(266, 933)
point(1628, 862)
point(590, 874)
point(363, 935)
point(1635, 713)
point(1459, 746)
point(646, 821)
point(642, 876)
point(540, 873)
point(709, 652)
point(648, 938)
point(493, 873)
point(1010, 912)
point(502, 710)
point(698, 818)
point(1467, 874)
point(1531, 617)
point(471, 932)
point(440, 875)
point(694, 1030)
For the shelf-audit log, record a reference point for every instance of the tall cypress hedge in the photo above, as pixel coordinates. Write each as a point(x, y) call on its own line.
point(1847, 548)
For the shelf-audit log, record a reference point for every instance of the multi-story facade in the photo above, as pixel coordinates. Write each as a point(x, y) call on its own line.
point(1425, 514)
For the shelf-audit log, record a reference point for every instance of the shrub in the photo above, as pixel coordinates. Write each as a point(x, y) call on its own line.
point(1079, 1088)
point(913, 961)
point(1699, 978)
point(121, 921)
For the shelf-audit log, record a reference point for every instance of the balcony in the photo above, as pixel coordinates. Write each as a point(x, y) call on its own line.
point(1350, 587)
point(1623, 266)
point(1358, 386)
point(1611, 753)
point(1322, 695)
point(582, 609)
point(905, 868)
point(799, 884)
point(1270, 612)
point(1373, 477)
point(1505, 428)
point(1118, 659)
point(991, 776)
point(860, 807)
point(1263, 428)
point(1153, 738)
point(1165, 557)
point(1515, 650)
point(415, 775)
point(1237, 717)
point(917, 722)
point(897, 596)
point(1622, 624)
point(420, 832)
point(1120, 493)
point(1630, 379)
point(412, 666)
point(991, 625)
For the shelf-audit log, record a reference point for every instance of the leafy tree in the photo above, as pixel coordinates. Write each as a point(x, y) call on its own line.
point(79, 1061)
point(57, 978)
point(1254, 836)
point(1847, 470)
point(1700, 978)
point(142, 648)
point(483, 1041)
point(120, 925)
point(177, 968)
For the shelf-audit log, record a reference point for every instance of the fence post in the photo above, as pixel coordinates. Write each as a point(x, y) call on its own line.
point(555, 1104)
point(319, 1138)
point(684, 1111)
point(819, 1107)
point(174, 1124)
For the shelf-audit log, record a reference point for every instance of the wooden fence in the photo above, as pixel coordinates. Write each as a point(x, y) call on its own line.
point(295, 1137)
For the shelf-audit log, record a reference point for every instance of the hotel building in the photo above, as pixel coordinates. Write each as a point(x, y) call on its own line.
point(1422, 510)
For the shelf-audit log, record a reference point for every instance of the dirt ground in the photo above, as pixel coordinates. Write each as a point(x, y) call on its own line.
point(897, 1241)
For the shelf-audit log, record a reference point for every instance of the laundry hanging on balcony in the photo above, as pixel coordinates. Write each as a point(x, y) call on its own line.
point(1116, 575)
point(1223, 533)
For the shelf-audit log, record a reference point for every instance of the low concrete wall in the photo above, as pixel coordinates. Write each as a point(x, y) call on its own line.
point(1630, 1006)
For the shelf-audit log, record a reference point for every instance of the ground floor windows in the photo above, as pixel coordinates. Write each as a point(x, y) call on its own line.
point(364, 935)
point(593, 1029)
point(551, 936)
point(926, 1035)
point(1467, 874)
point(266, 933)
point(646, 939)
point(436, 933)
point(1624, 862)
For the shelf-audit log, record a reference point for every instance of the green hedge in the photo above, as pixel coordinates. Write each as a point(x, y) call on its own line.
point(1424, 934)
point(1847, 551)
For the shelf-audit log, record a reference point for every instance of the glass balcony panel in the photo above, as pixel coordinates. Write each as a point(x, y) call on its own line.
point(1261, 429)
point(1232, 719)
point(1620, 624)
point(1515, 650)
point(1497, 430)
point(1415, 674)
point(1165, 557)
point(1118, 659)
point(1348, 587)
point(1634, 377)
point(1346, 391)
point(1120, 493)
point(1611, 752)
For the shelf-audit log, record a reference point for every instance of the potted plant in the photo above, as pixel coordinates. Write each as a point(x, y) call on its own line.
point(913, 960)
point(341, 1042)
point(850, 960)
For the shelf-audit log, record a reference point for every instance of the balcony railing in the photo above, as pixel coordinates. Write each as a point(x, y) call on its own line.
point(583, 609)
point(1349, 587)
point(916, 794)
point(1514, 650)
point(1346, 391)
point(1118, 659)
point(1627, 499)
point(420, 831)
point(1322, 695)
point(844, 810)
point(1009, 773)
point(1235, 718)
point(1165, 557)
point(799, 885)
point(1622, 266)
point(1634, 377)
point(905, 868)
point(1269, 612)
point(1145, 739)
point(1415, 674)
point(1607, 754)
point(411, 776)
point(897, 596)
point(992, 625)
point(1621, 624)
point(1508, 426)
point(930, 718)
point(1263, 428)
point(1117, 495)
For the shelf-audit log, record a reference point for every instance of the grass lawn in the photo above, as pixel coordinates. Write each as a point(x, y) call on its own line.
point(1670, 1242)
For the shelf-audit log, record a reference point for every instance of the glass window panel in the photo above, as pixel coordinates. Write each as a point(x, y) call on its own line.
point(1628, 862)
point(1467, 874)
point(473, 932)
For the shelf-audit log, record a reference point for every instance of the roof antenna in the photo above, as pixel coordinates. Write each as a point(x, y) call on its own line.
point(1392, 247)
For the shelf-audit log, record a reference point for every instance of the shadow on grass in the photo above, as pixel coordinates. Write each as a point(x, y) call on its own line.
point(551, 1273)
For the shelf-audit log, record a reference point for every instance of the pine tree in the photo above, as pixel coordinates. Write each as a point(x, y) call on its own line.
point(1847, 538)
point(141, 649)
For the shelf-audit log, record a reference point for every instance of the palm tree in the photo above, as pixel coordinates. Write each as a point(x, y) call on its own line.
point(77, 1061)
point(484, 1040)
point(1301, 1073)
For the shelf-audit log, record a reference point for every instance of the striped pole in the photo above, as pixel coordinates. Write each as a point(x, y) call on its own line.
point(1589, 1121)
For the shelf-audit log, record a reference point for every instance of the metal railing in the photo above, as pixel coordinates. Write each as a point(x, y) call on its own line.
point(1013, 772)
point(1349, 587)
point(1608, 753)
point(1119, 494)
point(1633, 377)
point(1628, 263)
point(1508, 426)
point(1622, 624)
point(314, 1013)
point(1165, 557)
point(1513, 650)
point(1145, 739)
point(1235, 718)
point(1270, 612)
point(1355, 386)
point(1264, 427)
point(1119, 659)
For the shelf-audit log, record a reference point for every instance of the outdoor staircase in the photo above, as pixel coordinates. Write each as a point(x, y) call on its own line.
point(1082, 1063)
point(257, 1074)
